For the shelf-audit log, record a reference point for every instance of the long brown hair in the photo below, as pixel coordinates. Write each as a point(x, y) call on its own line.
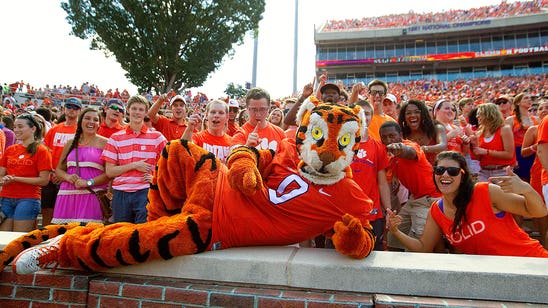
point(465, 190)
point(37, 136)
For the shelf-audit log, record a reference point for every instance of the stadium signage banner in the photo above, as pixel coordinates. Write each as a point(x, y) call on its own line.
point(438, 57)
point(445, 26)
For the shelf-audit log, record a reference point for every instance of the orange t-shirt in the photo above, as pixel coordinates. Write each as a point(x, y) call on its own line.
point(18, 162)
point(106, 131)
point(232, 129)
point(169, 128)
point(368, 161)
point(375, 125)
point(270, 136)
point(218, 145)
point(415, 174)
point(56, 138)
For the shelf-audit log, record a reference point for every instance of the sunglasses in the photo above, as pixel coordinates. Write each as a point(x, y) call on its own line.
point(502, 101)
point(375, 92)
point(116, 108)
point(73, 107)
point(452, 171)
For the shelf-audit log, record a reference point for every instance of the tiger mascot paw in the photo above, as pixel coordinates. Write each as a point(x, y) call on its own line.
point(353, 239)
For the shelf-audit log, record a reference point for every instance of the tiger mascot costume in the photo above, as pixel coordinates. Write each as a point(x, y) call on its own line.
point(196, 203)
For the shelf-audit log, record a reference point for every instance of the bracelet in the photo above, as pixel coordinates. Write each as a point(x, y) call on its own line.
point(92, 182)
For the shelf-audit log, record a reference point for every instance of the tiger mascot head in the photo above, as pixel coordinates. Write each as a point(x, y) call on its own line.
point(327, 139)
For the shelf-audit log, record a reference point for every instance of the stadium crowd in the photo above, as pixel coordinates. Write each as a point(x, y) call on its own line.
point(504, 9)
point(463, 116)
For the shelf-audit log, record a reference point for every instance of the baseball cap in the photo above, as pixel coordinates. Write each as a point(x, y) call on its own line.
point(177, 98)
point(503, 98)
point(330, 86)
point(233, 104)
point(74, 102)
point(117, 102)
point(391, 97)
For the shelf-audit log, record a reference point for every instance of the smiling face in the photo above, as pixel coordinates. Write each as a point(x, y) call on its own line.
point(23, 129)
point(445, 112)
point(413, 117)
point(90, 122)
point(448, 183)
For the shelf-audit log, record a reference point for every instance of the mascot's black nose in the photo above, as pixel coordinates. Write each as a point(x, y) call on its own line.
point(327, 158)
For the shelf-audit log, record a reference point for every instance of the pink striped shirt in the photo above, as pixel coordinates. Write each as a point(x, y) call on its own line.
point(125, 147)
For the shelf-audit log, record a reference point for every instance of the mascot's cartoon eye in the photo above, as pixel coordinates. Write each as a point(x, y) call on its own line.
point(344, 140)
point(317, 133)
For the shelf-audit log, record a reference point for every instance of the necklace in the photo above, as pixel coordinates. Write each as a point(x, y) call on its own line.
point(84, 142)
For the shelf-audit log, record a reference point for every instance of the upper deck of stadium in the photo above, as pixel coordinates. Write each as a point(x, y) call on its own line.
point(515, 15)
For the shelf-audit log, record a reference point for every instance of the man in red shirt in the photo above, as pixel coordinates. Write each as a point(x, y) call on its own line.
point(409, 164)
point(257, 131)
point(171, 128)
point(233, 108)
point(114, 115)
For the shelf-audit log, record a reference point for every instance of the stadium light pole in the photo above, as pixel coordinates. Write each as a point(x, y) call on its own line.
point(295, 46)
point(255, 50)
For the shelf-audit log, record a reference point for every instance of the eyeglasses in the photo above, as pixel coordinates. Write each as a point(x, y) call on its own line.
point(452, 171)
point(73, 107)
point(258, 110)
point(379, 92)
point(116, 108)
point(532, 109)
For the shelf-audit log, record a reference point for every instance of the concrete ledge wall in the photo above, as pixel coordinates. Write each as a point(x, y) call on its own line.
point(382, 279)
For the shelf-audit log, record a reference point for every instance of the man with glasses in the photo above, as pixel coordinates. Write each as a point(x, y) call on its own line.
point(55, 140)
point(409, 164)
point(114, 117)
point(174, 127)
point(377, 93)
point(257, 131)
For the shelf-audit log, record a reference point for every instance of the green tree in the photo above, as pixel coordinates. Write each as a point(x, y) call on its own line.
point(164, 44)
point(235, 91)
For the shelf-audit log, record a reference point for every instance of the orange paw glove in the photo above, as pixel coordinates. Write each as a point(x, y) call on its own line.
point(243, 173)
point(353, 239)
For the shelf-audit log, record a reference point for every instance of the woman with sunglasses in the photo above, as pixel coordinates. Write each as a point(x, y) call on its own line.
point(476, 218)
point(24, 168)
point(75, 203)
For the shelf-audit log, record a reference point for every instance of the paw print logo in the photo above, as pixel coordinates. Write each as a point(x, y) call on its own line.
point(361, 153)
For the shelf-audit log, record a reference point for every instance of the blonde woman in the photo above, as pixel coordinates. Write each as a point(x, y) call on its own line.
point(494, 145)
point(276, 117)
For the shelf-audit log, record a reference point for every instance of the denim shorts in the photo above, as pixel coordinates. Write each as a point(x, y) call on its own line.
point(20, 209)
